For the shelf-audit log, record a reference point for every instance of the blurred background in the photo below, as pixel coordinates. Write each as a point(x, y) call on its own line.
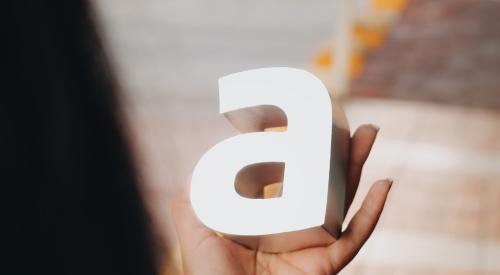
point(427, 72)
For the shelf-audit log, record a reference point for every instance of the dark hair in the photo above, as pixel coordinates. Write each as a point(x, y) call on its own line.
point(69, 188)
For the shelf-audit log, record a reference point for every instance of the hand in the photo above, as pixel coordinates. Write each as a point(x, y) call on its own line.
point(204, 252)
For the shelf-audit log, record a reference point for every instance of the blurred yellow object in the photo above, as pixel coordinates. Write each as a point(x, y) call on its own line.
point(389, 5)
point(369, 37)
point(324, 61)
point(357, 63)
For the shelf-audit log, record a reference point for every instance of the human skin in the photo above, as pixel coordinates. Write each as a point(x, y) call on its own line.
point(205, 252)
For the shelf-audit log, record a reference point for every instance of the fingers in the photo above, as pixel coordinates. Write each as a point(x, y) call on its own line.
point(361, 144)
point(361, 225)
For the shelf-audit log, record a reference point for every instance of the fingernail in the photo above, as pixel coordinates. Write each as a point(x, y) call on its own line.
point(375, 126)
point(390, 181)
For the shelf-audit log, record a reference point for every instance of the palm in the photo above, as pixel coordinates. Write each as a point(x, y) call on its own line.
point(204, 252)
point(229, 257)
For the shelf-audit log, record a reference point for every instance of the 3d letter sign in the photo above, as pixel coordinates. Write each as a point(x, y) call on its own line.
point(312, 150)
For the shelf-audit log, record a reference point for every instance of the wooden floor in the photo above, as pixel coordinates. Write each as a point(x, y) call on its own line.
point(443, 214)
